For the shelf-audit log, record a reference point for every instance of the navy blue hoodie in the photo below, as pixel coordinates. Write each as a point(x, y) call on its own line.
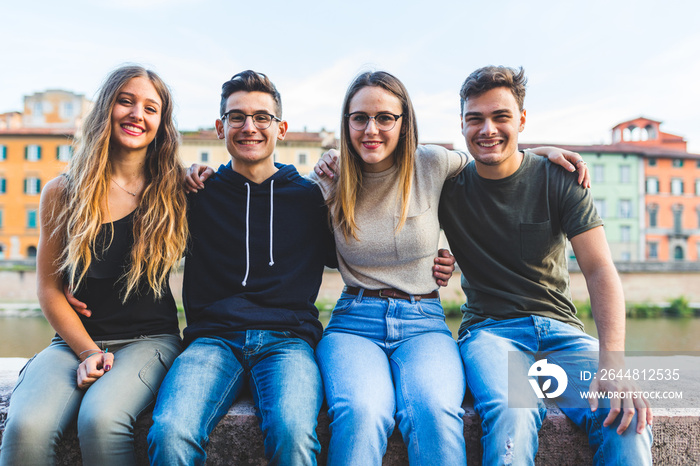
point(256, 255)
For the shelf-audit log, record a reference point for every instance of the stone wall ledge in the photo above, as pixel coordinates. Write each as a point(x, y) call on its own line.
point(237, 438)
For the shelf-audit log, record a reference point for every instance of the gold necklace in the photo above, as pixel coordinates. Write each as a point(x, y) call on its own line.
point(123, 189)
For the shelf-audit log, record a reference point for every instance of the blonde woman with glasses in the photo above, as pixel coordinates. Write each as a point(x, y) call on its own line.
point(112, 228)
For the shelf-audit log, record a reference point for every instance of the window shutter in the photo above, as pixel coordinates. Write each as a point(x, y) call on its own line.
point(38, 152)
point(26, 152)
point(38, 186)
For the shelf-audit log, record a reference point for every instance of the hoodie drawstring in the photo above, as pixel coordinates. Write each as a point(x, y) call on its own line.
point(247, 230)
point(247, 236)
point(272, 205)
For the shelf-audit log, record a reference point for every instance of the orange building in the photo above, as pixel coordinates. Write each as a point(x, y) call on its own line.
point(672, 189)
point(29, 158)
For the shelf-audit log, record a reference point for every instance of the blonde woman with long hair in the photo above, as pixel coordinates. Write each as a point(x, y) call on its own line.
point(387, 357)
point(112, 228)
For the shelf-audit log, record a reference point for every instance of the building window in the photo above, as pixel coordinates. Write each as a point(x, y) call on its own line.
point(3, 186)
point(32, 153)
point(31, 252)
point(652, 185)
point(1, 215)
point(678, 253)
point(677, 186)
point(625, 173)
point(302, 159)
point(64, 152)
point(598, 173)
point(31, 218)
point(625, 233)
point(67, 110)
point(677, 219)
point(32, 185)
point(602, 207)
point(653, 217)
point(653, 250)
point(652, 162)
point(697, 187)
point(204, 157)
point(625, 208)
point(697, 164)
point(677, 163)
point(626, 256)
point(3, 153)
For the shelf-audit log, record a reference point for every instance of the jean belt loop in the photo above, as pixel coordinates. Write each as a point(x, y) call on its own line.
point(359, 295)
point(413, 299)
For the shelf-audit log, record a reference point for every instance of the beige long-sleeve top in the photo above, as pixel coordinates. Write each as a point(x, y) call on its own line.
point(381, 257)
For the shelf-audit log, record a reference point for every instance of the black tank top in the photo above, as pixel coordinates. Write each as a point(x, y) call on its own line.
point(104, 285)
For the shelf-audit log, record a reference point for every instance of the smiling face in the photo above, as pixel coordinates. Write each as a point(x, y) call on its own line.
point(135, 116)
point(248, 145)
point(490, 124)
point(375, 148)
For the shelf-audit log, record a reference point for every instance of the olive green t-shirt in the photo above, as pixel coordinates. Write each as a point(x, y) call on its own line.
point(509, 238)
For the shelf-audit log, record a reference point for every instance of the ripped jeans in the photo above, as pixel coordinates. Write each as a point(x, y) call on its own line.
point(46, 401)
point(510, 433)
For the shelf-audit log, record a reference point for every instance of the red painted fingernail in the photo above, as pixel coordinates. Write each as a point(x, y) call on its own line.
point(107, 367)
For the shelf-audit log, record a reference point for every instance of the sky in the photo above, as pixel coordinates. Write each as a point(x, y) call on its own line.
point(590, 64)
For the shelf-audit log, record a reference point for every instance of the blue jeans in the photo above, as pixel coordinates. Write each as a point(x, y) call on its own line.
point(210, 374)
point(510, 434)
point(46, 401)
point(387, 359)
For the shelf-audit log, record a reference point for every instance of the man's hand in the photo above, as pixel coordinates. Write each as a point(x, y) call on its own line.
point(626, 405)
point(195, 176)
point(328, 164)
point(77, 305)
point(444, 266)
point(94, 366)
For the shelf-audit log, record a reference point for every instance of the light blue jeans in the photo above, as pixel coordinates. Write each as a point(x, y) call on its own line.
point(510, 434)
point(211, 373)
point(388, 359)
point(46, 401)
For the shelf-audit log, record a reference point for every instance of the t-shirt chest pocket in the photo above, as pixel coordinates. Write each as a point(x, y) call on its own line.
point(536, 240)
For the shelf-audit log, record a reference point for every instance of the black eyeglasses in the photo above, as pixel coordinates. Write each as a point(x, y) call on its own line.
point(236, 119)
point(385, 121)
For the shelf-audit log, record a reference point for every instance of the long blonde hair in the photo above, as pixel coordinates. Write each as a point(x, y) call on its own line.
point(160, 225)
point(349, 183)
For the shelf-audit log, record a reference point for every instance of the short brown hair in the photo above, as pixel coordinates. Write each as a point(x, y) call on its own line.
point(250, 81)
point(490, 77)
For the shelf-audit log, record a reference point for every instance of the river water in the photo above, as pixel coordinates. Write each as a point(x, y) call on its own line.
point(25, 336)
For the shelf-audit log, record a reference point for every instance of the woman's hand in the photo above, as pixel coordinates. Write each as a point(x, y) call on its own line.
point(195, 176)
point(94, 366)
point(571, 161)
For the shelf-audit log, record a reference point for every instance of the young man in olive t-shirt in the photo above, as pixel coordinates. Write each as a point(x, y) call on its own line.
point(507, 218)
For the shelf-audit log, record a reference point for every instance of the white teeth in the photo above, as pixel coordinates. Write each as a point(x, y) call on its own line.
point(248, 143)
point(132, 128)
point(484, 144)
